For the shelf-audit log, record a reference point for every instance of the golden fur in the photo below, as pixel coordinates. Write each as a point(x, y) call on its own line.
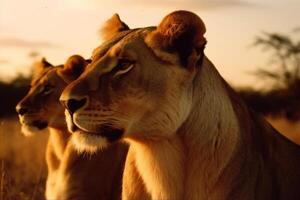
point(190, 135)
point(112, 27)
point(71, 175)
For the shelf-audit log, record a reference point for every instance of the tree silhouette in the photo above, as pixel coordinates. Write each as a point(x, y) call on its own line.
point(285, 56)
point(283, 98)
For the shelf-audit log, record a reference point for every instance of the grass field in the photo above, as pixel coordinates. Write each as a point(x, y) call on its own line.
point(22, 162)
point(22, 166)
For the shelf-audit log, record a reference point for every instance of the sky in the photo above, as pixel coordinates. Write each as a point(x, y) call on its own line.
point(56, 29)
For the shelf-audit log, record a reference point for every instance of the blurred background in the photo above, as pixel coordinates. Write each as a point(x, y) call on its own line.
point(254, 44)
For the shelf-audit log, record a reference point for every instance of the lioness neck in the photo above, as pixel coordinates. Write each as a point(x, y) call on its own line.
point(161, 166)
point(58, 139)
point(212, 136)
point(191, 164)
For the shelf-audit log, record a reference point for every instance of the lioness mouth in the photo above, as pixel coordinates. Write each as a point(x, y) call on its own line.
point(111, 133)
point(107, 131)
point(39, 124)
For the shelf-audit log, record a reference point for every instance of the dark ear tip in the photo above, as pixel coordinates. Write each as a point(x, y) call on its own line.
point(45, 63)
point(118, 18)
point(112, 26)
point(73, 67)
point(116, 15)
point(179, 29)
point(182, 32)
point(75, 60)
point(184, 19)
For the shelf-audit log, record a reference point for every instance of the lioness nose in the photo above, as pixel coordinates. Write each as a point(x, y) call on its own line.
point(21, 110)
point(74, 104)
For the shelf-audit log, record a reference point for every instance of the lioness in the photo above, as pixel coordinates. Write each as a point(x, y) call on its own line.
point(190, 135)
point(71, 175)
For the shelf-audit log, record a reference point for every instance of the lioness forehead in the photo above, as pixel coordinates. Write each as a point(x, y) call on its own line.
point(45, 75)
point(120, 38)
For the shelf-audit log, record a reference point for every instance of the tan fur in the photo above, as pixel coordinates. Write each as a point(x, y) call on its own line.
point(71, 174)
point(190, 135)
point(112, 26)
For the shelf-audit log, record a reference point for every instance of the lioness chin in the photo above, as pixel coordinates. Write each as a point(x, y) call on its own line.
point(71, 175)
point(190, 135)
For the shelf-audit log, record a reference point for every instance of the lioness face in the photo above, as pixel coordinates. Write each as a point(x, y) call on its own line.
point(136, 90)
point(41, 107)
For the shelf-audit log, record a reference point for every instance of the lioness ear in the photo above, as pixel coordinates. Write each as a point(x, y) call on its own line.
point(73, 68)
point(113, 26)
point(181, 32)
point(40, 66)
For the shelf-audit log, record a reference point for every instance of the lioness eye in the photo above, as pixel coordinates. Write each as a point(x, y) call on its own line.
point(47, 89)
point(123, 66)
point(124, 63)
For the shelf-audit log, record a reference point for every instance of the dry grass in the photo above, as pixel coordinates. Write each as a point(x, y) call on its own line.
point(22, 164)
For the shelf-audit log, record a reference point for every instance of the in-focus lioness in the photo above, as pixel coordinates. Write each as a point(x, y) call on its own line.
point(71, 174)
point(190, 135)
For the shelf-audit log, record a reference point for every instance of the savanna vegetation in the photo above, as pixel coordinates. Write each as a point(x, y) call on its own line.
point(281, 77)
point(279, 99)
point(22, 164)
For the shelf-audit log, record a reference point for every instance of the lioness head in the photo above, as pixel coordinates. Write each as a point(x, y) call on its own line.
point(141, 87)
point(41, 107)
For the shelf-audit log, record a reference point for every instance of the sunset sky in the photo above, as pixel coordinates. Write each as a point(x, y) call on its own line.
point(57, 29)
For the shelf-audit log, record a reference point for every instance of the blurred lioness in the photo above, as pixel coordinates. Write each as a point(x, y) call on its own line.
point(191, 137)
point(71, 174)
